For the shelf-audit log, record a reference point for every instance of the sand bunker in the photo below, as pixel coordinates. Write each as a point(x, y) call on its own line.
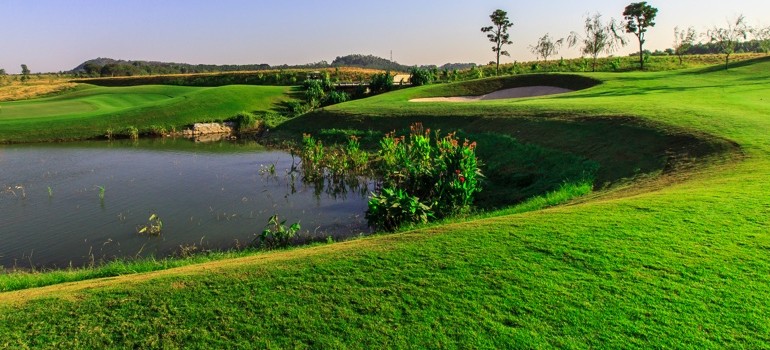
point(529, 91)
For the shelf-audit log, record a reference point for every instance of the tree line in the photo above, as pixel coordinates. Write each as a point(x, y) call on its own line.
point(106, 67)
point(600, 36)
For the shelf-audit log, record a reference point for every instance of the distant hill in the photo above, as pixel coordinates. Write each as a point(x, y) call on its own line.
point(374, 62)
point(368, 61)
point(108, 67)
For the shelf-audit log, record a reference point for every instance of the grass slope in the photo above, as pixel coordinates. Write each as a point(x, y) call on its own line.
point(679, 264)
point(90, 112)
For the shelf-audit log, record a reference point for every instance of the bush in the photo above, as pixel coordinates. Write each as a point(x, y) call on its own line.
point(246, 121)
point(381, 83)
point(336, 97)
point(314, 92)
point(420, 76)
point(296, 108)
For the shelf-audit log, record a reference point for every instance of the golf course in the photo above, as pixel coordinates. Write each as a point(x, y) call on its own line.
point(666, 246)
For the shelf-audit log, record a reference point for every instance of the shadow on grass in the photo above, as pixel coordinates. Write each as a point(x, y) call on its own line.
point(623, 147)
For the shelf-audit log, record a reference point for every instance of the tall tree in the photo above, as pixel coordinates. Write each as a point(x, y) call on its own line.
point(639, 16)
point(683, 41)
point(498, 34)
point(728, 38)
point(546, 47)
point(598, 38)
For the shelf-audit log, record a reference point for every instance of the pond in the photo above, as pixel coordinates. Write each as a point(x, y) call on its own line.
point(74, 204)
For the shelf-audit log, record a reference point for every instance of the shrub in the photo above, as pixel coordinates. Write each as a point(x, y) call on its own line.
point(381, 83)
point(335, 97)
point(615, 64)
point(314, 92)
point(246, 121)
point(420, 76)
point(296, 108)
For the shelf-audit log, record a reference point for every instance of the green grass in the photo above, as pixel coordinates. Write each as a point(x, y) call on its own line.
point(678, 258)
point(90, 112)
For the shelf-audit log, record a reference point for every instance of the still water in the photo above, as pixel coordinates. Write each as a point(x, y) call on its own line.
point(79, 203)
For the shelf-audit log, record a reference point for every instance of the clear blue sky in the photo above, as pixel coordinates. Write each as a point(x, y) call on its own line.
point(54, 35)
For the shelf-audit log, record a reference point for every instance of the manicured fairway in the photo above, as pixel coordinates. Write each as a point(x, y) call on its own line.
point(678, 258)
point(92, 111)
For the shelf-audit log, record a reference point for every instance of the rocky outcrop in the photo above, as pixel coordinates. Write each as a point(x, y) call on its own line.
point(199, 129)
point(209, 132)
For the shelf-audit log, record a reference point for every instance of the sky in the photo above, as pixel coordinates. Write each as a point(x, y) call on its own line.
point(58, 35)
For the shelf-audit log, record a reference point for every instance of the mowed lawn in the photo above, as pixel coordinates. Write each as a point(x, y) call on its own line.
point(681, 260)
point(91, 111)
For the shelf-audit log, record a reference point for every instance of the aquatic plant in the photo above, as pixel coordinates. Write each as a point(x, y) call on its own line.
point(441, 172)
point(132, 132)
point(276, 234)
point(392, 208)
point(153, 227)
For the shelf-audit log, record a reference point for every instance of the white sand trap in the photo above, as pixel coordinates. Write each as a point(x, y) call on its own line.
point(529, 91)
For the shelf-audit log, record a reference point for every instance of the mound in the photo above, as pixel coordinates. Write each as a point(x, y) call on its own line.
point(518, 92)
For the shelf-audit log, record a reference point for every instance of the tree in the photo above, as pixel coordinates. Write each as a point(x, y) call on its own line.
point(24, 73)
point(92, 69)
point(598, 37)
point(683, 41)
point(498, 34)
point(639, 16)
point(762, 36)
point(546, 47)
point(728, 38)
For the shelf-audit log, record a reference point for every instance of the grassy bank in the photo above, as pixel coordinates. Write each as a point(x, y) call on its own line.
point(677, 259)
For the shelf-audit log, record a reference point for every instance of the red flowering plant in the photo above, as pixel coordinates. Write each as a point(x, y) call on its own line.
point(439, 171)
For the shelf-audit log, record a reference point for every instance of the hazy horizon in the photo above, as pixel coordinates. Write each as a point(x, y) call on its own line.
point(58, 35)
